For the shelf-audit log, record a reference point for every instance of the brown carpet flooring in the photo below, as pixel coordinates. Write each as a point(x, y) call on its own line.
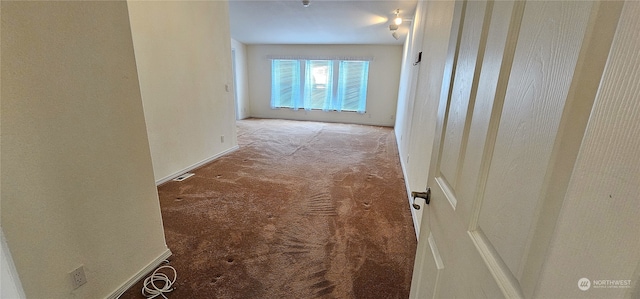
point(301, 210)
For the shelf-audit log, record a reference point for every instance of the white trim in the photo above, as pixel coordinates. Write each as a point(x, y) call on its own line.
point(414, 216)
point(448, 192)
point(144, 271)
point(436, 253)
point(439, 264)
point(507, 282)
point(194, 166)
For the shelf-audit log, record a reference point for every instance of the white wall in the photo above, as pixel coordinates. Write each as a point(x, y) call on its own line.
point(183, 54)
point(406, 103)
point(11, 288)
point(418, 105)
point(382, 93)
point(407, 83)
point(241, 79)
point(77, 180)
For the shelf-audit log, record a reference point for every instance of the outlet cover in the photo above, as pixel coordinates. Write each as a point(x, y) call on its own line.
point(77, 277)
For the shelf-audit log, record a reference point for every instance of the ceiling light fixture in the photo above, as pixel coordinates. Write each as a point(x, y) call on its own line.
point(306, 3)
point(397, 20)
point(394, 26)
point(394, 30)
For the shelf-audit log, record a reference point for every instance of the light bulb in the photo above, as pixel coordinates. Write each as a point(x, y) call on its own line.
point(397, 20)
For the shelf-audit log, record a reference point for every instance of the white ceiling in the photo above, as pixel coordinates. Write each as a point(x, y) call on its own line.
point(323, 22)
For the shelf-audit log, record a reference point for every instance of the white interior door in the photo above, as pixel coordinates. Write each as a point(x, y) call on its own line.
point(508, 131)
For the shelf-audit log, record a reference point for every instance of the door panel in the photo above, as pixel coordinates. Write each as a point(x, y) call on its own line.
point(448, 14)
point(496, 67)
point(465, 273)
point(465, 74)
point(538, 87)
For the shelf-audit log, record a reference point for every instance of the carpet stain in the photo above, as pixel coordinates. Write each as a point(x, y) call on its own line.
point(301, 210)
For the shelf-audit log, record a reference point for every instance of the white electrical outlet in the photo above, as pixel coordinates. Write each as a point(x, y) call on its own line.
point(77, 277)
point(221, 138)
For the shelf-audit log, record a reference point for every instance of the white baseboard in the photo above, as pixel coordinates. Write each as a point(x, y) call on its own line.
point(414, 216)
point(194, 166)
point(144, 271)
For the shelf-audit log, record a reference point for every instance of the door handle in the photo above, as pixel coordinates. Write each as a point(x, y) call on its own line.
point(425, 195)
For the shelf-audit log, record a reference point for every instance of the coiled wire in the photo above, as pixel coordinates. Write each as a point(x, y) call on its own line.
point(151, 290)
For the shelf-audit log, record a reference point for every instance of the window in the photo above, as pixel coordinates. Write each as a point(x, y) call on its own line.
point(319, 84)
point(285, 84)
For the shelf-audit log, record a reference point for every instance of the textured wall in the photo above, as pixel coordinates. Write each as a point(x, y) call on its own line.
point(77, 180)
